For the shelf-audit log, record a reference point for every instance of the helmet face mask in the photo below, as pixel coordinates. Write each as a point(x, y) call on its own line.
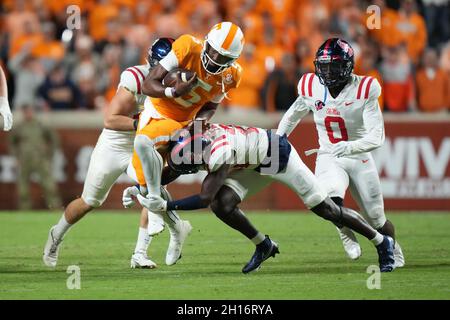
point(214, 62)
point(333, 73)
point(222, 46)
point(334, 62)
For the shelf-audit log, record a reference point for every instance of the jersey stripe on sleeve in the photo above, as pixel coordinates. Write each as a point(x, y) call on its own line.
point(222, 144)
point(358, 96)
point(366, 93)
point(140, 72)
point(222, 137)
point(311, 77)
point(136, 77)
point(303, 84)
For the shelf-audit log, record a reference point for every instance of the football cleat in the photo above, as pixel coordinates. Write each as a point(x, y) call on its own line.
point(178, 235)
point(51, 250)
point(398, 256)
point(386, 254)
point(350, 243)
point(264, 250)
point(140, 260)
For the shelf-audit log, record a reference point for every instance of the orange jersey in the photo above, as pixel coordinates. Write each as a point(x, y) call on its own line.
point(187, 51)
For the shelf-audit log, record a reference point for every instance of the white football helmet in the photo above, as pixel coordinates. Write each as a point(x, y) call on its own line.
point(222, 46)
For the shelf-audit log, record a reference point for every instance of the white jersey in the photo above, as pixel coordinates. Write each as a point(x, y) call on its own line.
point(354, 115)
point(132, 79)
point(114, 149)
point(239, 146)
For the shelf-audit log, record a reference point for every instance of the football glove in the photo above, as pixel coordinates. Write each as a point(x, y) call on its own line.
point(152, 202)
point(128, 194)
point(342, 149)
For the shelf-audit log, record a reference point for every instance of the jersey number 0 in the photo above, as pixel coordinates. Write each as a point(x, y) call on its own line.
point(341, 125)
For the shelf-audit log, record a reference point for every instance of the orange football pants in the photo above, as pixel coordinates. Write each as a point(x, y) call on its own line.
point(159, 131)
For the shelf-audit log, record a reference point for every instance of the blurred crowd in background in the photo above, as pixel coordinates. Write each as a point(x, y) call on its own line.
point(53, 68)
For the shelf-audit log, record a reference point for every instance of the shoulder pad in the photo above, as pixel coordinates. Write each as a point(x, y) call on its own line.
point(131, 79)
point(305, 85)
point(368, 88)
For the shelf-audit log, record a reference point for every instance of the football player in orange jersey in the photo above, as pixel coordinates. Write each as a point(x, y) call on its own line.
point(170, 108)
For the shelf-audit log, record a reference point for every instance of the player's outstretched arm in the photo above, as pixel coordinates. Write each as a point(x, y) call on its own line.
point(210, 186)
point(292, 117)
point(5, 110)
point(117, 115)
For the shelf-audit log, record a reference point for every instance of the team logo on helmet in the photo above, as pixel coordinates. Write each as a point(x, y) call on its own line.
point(346, 47)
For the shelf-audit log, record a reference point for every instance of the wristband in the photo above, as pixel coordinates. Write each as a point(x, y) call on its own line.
point(169, 92)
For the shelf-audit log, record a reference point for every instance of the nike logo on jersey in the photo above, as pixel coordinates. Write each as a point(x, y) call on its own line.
point(348, 103)
point(365, 161)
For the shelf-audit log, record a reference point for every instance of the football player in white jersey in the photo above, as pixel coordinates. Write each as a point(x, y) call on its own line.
point(6, 119)
point(110, 159)
point(349, 123)
point(241, 161)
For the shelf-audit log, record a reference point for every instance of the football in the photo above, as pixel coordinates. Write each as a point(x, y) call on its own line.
point(177, 75)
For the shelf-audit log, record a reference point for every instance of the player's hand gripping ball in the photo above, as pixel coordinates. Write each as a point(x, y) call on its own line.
point(182, 80)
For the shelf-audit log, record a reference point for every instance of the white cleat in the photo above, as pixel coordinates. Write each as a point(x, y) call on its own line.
point(155, 224)
point(177, 238)
point(398, 256)
point(350, 243)
point(140, 260)
point(51, 250)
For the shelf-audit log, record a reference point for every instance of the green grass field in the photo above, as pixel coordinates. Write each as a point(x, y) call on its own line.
point(312, 263)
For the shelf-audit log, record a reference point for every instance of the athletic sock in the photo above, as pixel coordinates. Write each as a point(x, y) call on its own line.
point(377, 239)
point(143, 241)
point(258, 238)
point(61, 228)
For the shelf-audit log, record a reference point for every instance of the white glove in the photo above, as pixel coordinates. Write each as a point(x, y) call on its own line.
point(152, 202)
point(5, 111)
point(342, 149)
point(127, 197)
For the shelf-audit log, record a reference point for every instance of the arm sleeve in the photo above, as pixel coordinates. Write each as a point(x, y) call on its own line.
point(170, 61)
point(128, 81)
point(292, 117)
point(189, 203)
point(373, 123)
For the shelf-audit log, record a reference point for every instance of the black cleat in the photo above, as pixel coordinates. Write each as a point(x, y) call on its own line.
point(263, 251)
point(386, 254)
